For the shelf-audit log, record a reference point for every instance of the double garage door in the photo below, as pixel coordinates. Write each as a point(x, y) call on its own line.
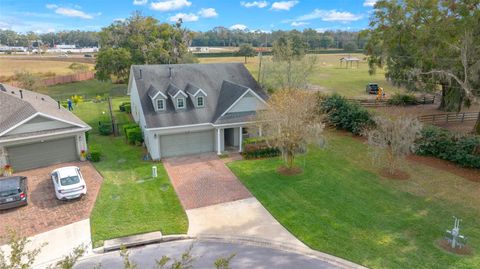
point(39, 154)
point(187, 143)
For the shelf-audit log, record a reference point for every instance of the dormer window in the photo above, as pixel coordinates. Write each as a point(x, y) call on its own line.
point(180, 103)
point(200, 101)
point(160, 104)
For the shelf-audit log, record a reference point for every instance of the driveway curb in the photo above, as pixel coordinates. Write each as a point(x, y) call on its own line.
point(143, 239)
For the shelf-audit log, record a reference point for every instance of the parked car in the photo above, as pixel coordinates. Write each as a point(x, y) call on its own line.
point(88, 55)
point(13, 192)
point(68, 183)
point(372, 88)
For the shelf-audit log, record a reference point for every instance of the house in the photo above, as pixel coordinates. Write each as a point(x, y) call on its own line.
point(194, 108)
point(36, 131)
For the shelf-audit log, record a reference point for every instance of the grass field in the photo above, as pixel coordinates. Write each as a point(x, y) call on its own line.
point(130, 200)
point(88, 89)
point(328, 74)
point(9, 66)
point(340, 205)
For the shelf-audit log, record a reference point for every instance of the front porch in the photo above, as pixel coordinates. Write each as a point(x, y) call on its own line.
point(231, 139)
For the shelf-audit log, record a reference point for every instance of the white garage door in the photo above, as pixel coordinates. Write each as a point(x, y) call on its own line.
point(185, 144)
point(28, 156)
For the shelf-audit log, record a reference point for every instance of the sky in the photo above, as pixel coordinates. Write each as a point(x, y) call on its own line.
point(199, 15)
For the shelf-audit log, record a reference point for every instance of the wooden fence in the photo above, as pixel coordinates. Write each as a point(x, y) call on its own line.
point(424, 100)
point(449, 118)
point(61, 79)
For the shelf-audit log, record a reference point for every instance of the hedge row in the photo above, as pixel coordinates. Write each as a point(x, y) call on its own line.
point(105, 128)
point(125, 107)
point(443, 144)
point(402, 99)
point(346, 115)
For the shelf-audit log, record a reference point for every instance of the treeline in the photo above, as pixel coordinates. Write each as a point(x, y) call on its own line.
point(31, 39)
point(221, 37)
point(217, 37)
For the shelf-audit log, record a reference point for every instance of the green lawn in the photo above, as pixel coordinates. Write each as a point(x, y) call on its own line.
point(89, 89)
point(130, 201)
point(340, 206)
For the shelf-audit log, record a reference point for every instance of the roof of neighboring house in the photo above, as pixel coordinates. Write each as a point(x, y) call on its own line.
point(223, 84)
point(16, 108)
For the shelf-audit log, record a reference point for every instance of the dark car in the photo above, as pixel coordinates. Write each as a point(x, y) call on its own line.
point(372, 88)
point(13, 192)
point(88, 55)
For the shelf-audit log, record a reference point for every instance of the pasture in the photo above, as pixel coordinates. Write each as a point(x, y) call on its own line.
point(328, 76)
point(42, 67)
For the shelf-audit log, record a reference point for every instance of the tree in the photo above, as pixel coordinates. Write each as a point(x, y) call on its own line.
point(423, 45)
point(289, 67)
point(27, 80)
point(140, 40)
point(113, 61)
point(291, 122)
point(393, 139)
point(350, 46)
point(246, 50)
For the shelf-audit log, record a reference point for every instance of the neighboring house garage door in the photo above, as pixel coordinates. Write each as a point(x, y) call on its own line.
point(28, 156)
point(184, 144)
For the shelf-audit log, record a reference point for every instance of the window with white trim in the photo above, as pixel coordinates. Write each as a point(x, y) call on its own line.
point(180, 102)
point(200, 101)
point(160, 104)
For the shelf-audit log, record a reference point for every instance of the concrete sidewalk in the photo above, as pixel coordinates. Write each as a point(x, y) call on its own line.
point(247, 218)
point(60, 242)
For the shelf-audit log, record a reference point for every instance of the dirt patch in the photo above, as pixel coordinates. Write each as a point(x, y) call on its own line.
point(283, 170)
point(467, 173)
point(397, 174)
point(445, 245)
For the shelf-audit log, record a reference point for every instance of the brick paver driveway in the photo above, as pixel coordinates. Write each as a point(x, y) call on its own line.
point(44, 212)
point(203, 180)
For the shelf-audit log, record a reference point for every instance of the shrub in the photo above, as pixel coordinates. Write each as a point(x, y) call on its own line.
point(94, 155)
point(443, 144)
point(128, 107)
point(87, 136)
point(402, 99)
point(122, 106)
point(129, 126)
point(105, 128)
point(346, 115)
point(134, 136)
point(259, 150)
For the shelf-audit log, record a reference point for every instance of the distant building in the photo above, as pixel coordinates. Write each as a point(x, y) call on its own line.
point(65, 46)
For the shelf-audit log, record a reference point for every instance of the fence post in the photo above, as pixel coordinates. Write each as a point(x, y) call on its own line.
point(433, 120)
point(463, 116)
point(447, 117)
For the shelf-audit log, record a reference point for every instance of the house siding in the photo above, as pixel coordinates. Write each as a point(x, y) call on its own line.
point(247, 103)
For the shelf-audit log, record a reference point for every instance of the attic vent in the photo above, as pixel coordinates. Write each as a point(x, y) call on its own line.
point(2, 88)
point(13, 92)
point(140, 75)
point(43, 99)
point(170, 72)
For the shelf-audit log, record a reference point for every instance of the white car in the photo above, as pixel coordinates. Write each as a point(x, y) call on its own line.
point(68, 183)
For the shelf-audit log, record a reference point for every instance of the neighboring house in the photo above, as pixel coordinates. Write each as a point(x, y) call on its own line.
point(36, 131)
point(194, 108)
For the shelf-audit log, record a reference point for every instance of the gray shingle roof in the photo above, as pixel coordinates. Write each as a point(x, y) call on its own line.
point(223, 83)
point(152, 91)
point(14, 109)
point(172, 90)
point(191, 89)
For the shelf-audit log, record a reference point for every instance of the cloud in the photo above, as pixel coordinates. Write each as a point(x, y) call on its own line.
point(140, 2)
point(186, 17)
point(329, 15)
point(240, 27)
point(169, 5)
point(51, 6)
point(259, 4)
point(299, 23)
point(369, 3)
point(284, 5)
point(208, 13)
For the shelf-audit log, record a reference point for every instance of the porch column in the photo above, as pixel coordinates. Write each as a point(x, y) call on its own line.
point(240, 138)
point(219, 149)
point(260, 130)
